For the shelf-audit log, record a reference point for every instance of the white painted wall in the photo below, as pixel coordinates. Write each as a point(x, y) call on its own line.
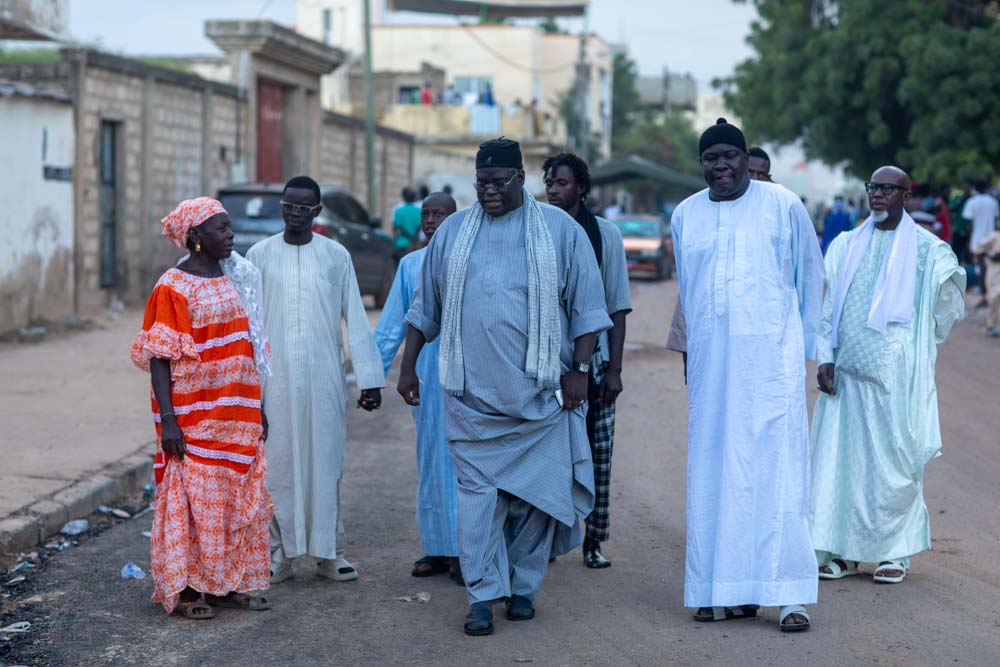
point(36, 215)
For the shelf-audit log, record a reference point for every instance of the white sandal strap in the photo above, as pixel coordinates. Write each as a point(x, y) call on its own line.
point(834, 568)
point(719, 613)
point(891, 565)
point(793, 609)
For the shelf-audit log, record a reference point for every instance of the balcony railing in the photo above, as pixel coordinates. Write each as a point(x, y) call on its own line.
point(475, 122)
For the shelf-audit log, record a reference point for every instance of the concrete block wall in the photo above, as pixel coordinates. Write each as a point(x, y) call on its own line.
point(115, 97)
point(342, 162)
point(177, 140)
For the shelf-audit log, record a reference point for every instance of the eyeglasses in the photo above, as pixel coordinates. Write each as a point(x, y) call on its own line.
point(298, 209)
point(483, 186)
point(885, 188)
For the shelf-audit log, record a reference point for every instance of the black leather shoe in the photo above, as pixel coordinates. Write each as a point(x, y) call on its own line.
point(519, 608)
point(593, 558)
point(480, 619)
point(456, 572)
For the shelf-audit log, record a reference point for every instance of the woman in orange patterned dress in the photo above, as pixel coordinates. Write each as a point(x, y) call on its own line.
point(203, 345)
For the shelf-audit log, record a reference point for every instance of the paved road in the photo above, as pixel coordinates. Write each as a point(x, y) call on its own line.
point(947, 612)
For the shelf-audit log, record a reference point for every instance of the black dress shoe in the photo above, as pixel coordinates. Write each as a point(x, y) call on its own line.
point(456, 572)
point(593, 558)
point(480, 619)
point(519, 608)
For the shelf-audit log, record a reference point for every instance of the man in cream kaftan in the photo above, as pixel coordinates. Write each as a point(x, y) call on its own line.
point(309, 289)
point(751, 277)
point(876, 424)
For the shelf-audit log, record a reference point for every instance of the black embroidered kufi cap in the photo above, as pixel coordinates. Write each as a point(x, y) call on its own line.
point(722, 133)
point(500, 152)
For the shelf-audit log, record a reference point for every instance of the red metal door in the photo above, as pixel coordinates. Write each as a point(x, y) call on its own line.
point(270, 127)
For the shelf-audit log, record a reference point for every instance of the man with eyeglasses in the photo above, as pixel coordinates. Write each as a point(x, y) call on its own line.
point(309, 288)
point(751, 278)
point(894, 290)
point(512, 289)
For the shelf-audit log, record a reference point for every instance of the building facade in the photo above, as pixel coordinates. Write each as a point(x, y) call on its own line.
point(140, 139)
point(36, 264)
point(517, 62)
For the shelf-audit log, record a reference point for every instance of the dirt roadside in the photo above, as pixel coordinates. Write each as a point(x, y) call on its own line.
point(947, 612)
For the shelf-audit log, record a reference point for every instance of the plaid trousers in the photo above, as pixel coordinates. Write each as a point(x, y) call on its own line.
point(601, 433)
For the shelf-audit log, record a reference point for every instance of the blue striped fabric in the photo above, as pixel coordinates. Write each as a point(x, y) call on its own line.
point(436, 502)
point(506, 433)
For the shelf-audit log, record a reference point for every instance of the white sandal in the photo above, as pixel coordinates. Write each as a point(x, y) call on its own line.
point(788, 611)
point(339, 569)
point(837, 572)
point(890, 565)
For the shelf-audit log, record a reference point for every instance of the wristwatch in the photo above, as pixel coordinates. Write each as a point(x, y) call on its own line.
point(581, 367)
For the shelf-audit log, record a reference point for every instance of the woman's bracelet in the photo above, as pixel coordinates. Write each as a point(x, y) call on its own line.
point(167, 414)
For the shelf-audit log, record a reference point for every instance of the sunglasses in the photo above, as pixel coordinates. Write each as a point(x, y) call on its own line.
point(885, 188)
point(298, 209)
point(483, 186)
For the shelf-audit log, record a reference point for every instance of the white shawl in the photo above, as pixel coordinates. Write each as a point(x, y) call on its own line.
point(892, 300)
point(544, 324)
point(246, 279)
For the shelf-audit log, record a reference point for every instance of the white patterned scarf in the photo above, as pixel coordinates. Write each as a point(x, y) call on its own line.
point(544, 324)
point(892, 300)
point(245, 277)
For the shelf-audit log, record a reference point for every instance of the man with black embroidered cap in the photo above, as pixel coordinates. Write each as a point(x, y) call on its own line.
point(567, 184)
point(751, 281)
point(513, 289)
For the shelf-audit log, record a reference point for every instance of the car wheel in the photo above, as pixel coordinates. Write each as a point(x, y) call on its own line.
point(661, 269)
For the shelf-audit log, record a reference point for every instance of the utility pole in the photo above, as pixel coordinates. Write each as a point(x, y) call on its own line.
point(369, 113)
point(582, 90)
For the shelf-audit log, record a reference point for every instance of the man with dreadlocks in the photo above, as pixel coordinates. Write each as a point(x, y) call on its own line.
point(567, 184)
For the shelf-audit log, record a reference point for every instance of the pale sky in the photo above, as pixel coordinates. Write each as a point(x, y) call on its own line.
point(705, 38)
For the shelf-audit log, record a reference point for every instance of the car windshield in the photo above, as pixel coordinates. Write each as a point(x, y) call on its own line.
point(248, 206)
point(642, 228)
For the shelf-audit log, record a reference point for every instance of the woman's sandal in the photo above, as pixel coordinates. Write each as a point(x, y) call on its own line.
point(240, 601)
point(838, 569)
point(795, 609)
point(430, 565)
point(196, 610)
point(890, 565)
point(715, 614)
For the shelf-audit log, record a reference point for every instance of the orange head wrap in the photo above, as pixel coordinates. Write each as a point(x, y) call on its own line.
point(189, 213)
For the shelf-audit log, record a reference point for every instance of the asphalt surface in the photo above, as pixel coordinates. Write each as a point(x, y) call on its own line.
point(947, 612)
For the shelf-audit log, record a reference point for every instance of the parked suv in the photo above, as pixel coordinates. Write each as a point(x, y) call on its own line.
point(255, 211)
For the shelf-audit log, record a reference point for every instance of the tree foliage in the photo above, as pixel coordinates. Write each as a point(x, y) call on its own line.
point(669, 139)
point(625, 97)
point(581, 140)
point(869, 82)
